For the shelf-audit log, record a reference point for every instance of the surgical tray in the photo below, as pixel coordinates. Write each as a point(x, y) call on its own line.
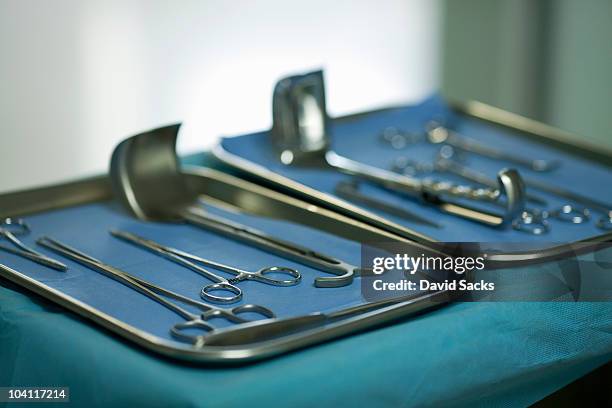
point(585, 168)
point(81, 214)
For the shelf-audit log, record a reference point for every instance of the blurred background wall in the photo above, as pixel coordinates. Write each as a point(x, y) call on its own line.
point(547, 59)
point(77, 76)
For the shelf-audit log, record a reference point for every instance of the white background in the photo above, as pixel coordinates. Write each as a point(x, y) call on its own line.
point(76, 77)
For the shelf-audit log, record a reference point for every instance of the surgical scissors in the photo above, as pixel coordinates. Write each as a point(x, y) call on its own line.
point(154, 292)
point(219, 283)
point(13, 227)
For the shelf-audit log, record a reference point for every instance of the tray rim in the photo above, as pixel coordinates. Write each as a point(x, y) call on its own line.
point(97, 189)
point(251, 352)
point(538, 131)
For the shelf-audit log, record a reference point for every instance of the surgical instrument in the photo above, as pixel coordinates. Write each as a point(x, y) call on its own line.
point(219, 283)
point(254, 332)
point(437, 133)
point(399, 139)
point(567, 212)
point(154, 292)
point(300, 133)
point(404, 165)
point(10, 229)
point(530, 220)
point(349, 190)
point(531, 223)
point(605, 222)
point(146, 164)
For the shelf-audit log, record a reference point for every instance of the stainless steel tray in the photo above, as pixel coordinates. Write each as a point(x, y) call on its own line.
point(235, 193)
point(524, 127)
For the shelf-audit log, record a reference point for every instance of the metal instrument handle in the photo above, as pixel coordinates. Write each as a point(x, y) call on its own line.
point(207, 292)
point(111, 272)
point(197, 216)
point(294, 277)
point(13, 227)
point(439, 134)
point(409, 185)
point(168, 253)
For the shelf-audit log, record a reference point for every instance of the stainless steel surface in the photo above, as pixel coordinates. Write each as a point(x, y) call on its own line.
point(238, 353)
point(451, 166)
point(156, 293)
point(236, 194)
point(145, 164)
point(604, 208)
point(437, 133)
point(10, 228)
point(535, 131)
point(220, 284)
point(567, 212)
point(572, 214)
point(524, 128)
point(402, 164)
point(349, 190)
point(344, 220)
point(260, 331)
point(531, 223)
point(240, 194)
point(20, 203)
point(300, 134)
point(228, 354)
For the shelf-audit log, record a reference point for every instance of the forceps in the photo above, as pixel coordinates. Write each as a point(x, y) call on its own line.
point(300, 133)
point(529, 220)
point(13, 227)
point(437, 133)
point(219, 282)
point(154, 292)
point(442, 164)
point(349, 190)
point(567, 212)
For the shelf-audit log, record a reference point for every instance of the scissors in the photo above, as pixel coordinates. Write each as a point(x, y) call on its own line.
point(13, 227)
point(532, 222)
point(219, 283)
point(179, 330)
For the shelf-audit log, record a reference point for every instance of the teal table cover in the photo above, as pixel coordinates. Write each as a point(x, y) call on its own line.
point(467, 354)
